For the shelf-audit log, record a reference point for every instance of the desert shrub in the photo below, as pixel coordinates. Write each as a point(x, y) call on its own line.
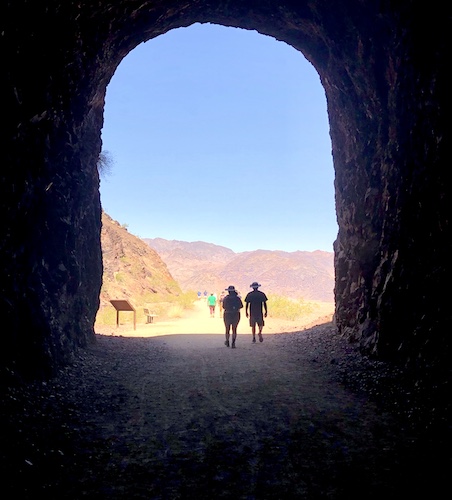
point(186, 300)
point(172, 306)
point(120, 277)
point(175, 311)
point(286, 308)
point(106, 316)
point(105, 163)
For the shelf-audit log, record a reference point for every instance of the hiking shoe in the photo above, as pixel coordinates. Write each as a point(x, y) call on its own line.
point(254, 340)
point(261, 339)
point(233, 346)
point(226, 343)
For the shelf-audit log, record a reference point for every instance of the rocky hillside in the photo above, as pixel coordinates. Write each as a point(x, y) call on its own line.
point(203, 266)
point(132, 270)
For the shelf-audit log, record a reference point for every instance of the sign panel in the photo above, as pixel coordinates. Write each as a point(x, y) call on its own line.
point(124, 305)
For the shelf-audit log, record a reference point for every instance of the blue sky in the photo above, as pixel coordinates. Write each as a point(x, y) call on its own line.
point(220, 135)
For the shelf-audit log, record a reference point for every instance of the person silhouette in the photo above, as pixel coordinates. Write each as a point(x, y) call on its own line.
point(211, 302)
point(256, 304)
point(220, 301)
point(232, 304)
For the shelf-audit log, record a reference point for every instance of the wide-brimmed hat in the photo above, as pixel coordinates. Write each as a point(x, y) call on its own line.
point(230, 288)
point(255, 284)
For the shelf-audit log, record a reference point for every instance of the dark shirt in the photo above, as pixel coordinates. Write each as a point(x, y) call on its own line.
point(256, 299)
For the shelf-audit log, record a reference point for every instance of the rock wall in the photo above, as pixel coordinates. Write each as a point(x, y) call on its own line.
point(383, 68)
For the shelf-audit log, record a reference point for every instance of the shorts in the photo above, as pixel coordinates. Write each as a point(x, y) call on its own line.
point(257, 320)
point(231, 318)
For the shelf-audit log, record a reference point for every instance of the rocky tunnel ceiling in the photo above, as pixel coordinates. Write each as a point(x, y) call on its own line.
point(383, 68)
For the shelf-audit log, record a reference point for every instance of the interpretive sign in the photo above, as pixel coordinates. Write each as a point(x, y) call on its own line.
point(124, 305)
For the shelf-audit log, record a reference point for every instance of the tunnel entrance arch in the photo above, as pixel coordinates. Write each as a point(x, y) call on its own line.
point(391, 191)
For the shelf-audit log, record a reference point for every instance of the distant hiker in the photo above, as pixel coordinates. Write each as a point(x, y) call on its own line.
point(220, 301)
point(256, 304)
point(232, 305)
point(199, 295)
point(211, 302)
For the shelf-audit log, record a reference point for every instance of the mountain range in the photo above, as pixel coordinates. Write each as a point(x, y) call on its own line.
point(138, 269)
point(202, 266)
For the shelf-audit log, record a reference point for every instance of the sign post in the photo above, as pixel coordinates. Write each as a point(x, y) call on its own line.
point(124, 305)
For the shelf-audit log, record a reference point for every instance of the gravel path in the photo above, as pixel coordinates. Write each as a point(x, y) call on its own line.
point(180, 416)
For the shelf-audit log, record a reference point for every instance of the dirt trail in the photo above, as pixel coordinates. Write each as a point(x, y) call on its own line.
point(167, 411)
point(199, 321)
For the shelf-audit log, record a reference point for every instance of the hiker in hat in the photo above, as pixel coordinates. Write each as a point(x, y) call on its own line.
point(232, 304)
point(256, 310)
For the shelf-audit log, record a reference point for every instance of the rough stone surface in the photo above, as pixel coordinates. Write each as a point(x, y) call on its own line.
point(383, 67)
